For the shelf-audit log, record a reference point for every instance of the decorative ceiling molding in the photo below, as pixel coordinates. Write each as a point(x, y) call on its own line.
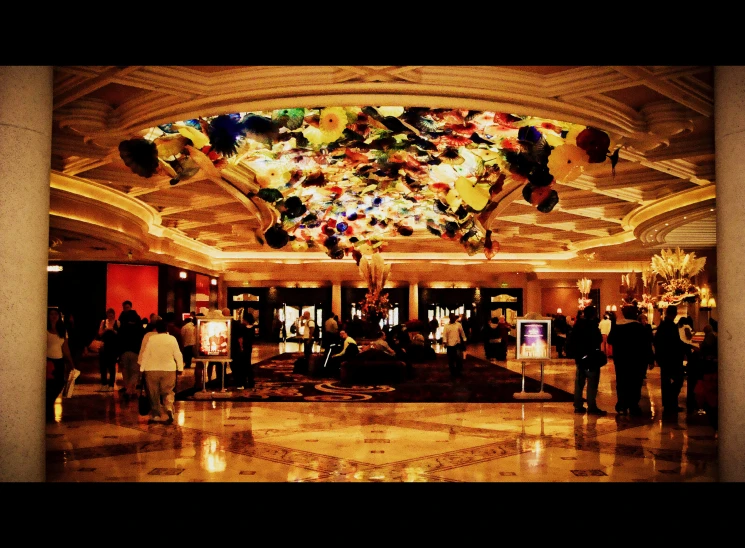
point(658, 114)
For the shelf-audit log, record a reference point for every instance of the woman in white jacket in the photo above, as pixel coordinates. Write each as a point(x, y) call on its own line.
point(160, 361)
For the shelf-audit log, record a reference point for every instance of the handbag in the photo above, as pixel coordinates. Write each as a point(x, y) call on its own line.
point(143, 401)
point(593, 360)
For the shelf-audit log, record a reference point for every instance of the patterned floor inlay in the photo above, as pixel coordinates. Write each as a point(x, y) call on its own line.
point(585, 473)
point(166, 471)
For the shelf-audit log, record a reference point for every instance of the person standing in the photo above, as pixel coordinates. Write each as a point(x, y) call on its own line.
point(246, 336)
point(669, 352)
point(586, 337)
point(189, 339)
point(454, 339)
point(633, 350)
point(309, 331)
point(108, 333)
point(491, 339)
point(58, 354)
point(605, 327)
point(503, 334)
point(130, 341)
point(161, 361)
point(561, 329)
point(330, 332)
point(236, 352)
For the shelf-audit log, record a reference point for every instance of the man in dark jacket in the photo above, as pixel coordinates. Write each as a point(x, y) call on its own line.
point(130, 340)
point(669, 351)
point(632, 350)
point(586, 337)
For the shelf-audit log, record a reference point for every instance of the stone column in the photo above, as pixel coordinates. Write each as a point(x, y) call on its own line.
point(413, 301)
point(25, 163)
point(336, 300)
point(729, 115)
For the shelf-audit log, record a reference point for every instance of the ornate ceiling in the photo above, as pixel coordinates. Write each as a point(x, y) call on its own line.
point(660, 192)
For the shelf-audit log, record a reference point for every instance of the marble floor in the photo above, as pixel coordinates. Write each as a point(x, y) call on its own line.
point(98, 437)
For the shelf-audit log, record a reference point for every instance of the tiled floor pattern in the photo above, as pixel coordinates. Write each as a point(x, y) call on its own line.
point(97, 437)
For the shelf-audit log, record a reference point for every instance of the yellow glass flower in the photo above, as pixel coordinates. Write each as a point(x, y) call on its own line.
point(332, 123)
point(567, 162)
point(197, 137)
point(273, 175)
point(473, 194)
point(299, 245)
point(314, 136)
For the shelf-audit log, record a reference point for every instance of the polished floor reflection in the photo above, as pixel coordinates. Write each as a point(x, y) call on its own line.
point(98, 437)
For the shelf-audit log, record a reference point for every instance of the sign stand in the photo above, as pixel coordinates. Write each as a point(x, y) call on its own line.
point(205, 362)
point(523, 395)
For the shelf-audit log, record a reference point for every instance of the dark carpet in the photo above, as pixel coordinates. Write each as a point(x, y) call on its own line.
point(481, 382)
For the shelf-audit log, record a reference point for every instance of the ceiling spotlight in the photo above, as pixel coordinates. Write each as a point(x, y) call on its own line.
point(182, 275)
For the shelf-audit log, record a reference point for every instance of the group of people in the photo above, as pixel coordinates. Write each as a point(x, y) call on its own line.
point(150, 355)
point(496, 339)
point(637, 348)
point(153, 353)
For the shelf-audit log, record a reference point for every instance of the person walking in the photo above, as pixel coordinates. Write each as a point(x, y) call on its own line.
point(130, 341)
point(454, 339)
point(586, 337)
point(669, 353)
point(108, 333)
point(58, 354)
point(632, 343)
point(161, 361)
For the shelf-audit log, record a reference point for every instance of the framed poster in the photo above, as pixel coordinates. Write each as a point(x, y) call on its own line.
point(533, 339)
point(213, 338)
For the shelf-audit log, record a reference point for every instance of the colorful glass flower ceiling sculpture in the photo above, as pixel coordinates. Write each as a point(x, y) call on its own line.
point(347, 179)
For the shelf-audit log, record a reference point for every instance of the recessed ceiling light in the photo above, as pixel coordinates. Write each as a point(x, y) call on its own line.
point(685, 217)
point(667, 224)
point(712, 209)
